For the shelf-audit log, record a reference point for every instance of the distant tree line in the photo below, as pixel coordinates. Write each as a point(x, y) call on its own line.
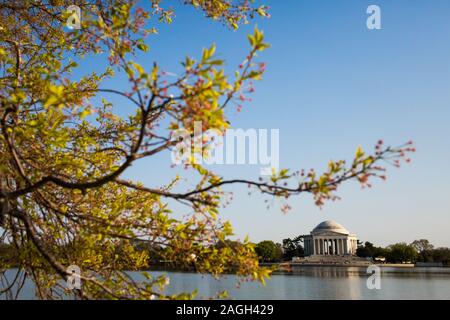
point(417, 251)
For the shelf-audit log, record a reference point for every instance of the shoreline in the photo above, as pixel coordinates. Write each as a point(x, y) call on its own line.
point(283, 265)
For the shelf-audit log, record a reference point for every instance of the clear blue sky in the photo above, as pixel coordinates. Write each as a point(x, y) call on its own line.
point(332, 84)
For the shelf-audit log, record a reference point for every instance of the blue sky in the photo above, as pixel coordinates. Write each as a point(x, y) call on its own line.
point(332, 84)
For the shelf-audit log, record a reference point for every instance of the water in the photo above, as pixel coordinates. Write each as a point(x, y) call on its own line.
point(314, 283)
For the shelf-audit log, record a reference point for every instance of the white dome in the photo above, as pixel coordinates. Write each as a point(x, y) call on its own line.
point(330, 225)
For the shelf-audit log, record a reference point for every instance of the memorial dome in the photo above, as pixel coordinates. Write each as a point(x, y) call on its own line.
point(330, 225)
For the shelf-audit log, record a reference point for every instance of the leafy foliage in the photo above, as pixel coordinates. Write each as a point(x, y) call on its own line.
point(292, 248)
point(269, 251)
point(401, 252)
point(369, 250)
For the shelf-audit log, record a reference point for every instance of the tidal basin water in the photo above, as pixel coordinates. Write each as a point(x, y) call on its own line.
point(317, 283)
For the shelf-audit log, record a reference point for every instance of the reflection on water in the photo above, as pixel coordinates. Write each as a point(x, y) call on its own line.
point(328, 271)
point(314, 282)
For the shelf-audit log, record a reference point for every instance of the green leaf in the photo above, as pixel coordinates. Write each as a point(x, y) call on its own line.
point(208, 53)
point(359, 153)
point(143, 47)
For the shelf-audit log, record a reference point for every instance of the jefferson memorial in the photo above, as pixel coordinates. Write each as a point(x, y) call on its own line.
point(330, 238)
